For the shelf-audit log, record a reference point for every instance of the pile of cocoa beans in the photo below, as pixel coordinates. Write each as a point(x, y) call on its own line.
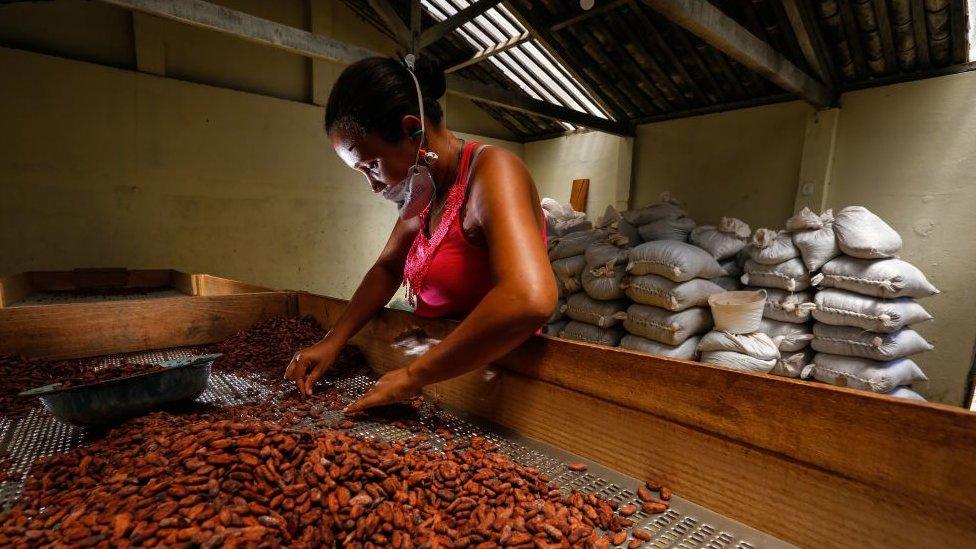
point(268, 346)
point(112, 372)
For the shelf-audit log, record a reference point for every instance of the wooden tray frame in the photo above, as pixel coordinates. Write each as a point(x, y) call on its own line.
point(812, 464)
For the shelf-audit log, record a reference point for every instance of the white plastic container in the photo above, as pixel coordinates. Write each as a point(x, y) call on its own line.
point(738, 312)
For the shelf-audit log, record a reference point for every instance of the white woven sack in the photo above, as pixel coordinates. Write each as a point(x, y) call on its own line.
point(862, 234)
point(770, 247)
point(604, 282)
point(786, 306)
point(842, 308)
point(756, 345)
point(558, 314)
point(814, 236)
point(727, 283)
point(568, 271)
point(875, 277)
point(584, 308)
point(571, 226)
point(686, 351)
point(906, 393)
point(620, 232)
point(732, 267)
point(602, 253)
point(866, 374)
point(666, 326)
point(669, 228)
point(722, 241)
point(678, 261)
point(793, 337)
point(795, 365)
point(791, 275)
point(573, 244)
point(653, 212)
point(674, 296)
point(560, 211)
point(850, 341)
point(553, 328)
point(738, 361)
point(581, 331)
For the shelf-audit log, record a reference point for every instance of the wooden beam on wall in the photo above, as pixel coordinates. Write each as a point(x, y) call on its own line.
point(711, 25)
point(199, 13)
point(448, 25)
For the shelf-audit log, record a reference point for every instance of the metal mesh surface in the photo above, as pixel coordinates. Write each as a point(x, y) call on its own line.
point(685, 525)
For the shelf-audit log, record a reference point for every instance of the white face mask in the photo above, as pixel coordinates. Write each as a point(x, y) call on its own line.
point(413, 194)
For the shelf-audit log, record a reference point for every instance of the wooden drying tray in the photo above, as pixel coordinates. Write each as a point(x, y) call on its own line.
point(815, 465)
point(49, 288)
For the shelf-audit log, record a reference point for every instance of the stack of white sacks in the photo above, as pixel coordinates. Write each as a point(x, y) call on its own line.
point(668, 282)
point(772, 262)
point(589, 269)
point(568, 234)
point(865, 305)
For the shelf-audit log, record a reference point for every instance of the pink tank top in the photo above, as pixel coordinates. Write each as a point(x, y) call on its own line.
point(446, 275)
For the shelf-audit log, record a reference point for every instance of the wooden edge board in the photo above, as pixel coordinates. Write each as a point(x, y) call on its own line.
point(78, 330)
point(185, 283)
point(216, 285)
point(798, 503)
point(874, 439)
point(14, 288)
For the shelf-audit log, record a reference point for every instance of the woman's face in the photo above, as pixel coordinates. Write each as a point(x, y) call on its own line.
point(383, 163)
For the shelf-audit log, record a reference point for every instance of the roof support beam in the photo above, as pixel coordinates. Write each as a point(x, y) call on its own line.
point(520, 102)
point(540, 32)
point(202, 14)
point(486, 53)
point(711, 25)
point(603, 7)
point(446, 26)
point(392, 21)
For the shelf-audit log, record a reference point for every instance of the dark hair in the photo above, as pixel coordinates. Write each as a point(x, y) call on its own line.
point(374, 94)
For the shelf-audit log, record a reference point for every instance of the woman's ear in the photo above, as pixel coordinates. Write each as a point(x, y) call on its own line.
point(412, 127)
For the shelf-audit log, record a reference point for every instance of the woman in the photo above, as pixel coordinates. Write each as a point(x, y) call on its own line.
point(470, 241)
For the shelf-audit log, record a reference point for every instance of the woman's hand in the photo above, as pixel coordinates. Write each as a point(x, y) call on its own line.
point(310, 364)
point(395, 386)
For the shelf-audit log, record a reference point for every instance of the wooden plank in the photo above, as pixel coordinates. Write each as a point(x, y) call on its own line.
point(711, 25)
point(577, 197)
point(77, 330)
point(392, 21)
point(884, 31)
point(524, 103)
point(14, 288)
point(921, 34)
point(184, 282)
point(817, 160)
point(484, 54)
point(960, 31)
point(215, 285)
point(875, 440)
point(438, 31)
point(800, 504)
point(255, 29)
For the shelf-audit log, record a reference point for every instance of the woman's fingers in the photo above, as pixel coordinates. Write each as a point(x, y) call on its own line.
point(316, 374)
point(369, 400)
point(294, 370)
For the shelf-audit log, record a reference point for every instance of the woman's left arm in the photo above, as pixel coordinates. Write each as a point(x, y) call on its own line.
point(523, 295)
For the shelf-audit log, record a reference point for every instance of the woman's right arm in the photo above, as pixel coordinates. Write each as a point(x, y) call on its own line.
point(375, 291)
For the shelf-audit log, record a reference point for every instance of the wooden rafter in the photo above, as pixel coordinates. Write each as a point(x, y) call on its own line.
point(483, 55)
point(810, 43)
point(392, 21)
point(539, 30)
point(200, 13)
point(448, 25)
point(714, 27)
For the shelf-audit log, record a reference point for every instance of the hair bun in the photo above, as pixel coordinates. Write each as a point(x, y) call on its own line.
point(429, 74)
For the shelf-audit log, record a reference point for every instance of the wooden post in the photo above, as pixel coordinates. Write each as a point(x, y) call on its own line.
point(817, 160)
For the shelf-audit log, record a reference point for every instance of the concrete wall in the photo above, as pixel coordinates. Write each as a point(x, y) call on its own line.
point(907, 152)
point(741, 163)
point(103, 166)
point(602, 158)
